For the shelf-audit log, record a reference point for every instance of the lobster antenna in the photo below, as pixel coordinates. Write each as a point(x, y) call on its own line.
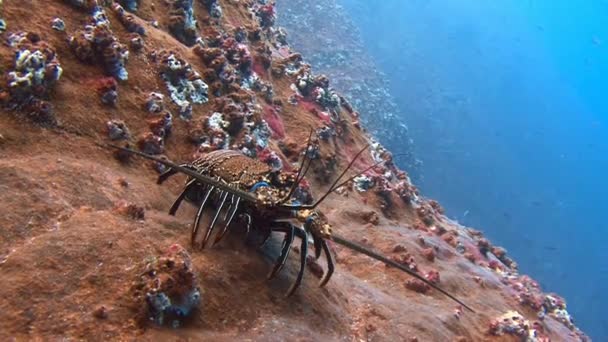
point(199, 177)
point(374, 255)
point(362, 172)
point(331, 188)
point(298, 179)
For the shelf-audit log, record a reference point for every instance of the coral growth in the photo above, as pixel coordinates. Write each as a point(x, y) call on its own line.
point(128, 20)
point(182, 22)
point(35, 70)
point(97, 43)
point(167, 291)
point(184, 84)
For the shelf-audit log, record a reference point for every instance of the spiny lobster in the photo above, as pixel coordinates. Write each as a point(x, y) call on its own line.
point(264, 199)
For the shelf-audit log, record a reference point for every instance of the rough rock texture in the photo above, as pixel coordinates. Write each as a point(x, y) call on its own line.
point(77, 225)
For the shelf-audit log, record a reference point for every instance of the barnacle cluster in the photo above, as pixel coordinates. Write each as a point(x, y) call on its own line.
point(265, 12)
point(182, 23)
point(160, 123)
point(117, 130)
point(229, 67)
point(511, 322)
point(35, 70)
point(167, 290)
point(214, 8)
point(235, 123)
point(317, 88)
point(185, 85)
point(97, 43)
point(128, 20)
point(108, 90)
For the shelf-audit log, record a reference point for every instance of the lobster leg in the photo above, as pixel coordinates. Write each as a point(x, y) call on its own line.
point(197, 219)
point(229, 209)
point(287, 241)
point(217, 214)
point(170, 172)
point(318, 243)
point(180, 198)
point(266, 237)
point(248, 226)
point(301, 233)
point(330, 264)
point(223, 232)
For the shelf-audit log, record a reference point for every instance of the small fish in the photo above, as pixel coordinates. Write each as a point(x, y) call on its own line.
point(465, 214)
point(596, 41)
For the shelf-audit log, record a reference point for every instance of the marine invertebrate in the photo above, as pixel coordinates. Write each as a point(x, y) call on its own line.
point(131, 210)
point(214, 8)
point(182, 23)
point(108, 89)
point(97, 43)
point(128, 20)
point(151, 143)
point(58, 24)
point(35, 70)
point(184, 84)
point(417, 286)
point(511, 322)
point(117, 130)
point(155, 103)
point(167, 289)
point(243, 187)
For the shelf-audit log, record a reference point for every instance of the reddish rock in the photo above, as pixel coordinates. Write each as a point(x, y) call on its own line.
point(417, 286)
point(429, 254)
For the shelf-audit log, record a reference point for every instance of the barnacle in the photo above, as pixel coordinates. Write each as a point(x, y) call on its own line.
point(97, 43)
point(184, 84)
point(128, 20)
point(35, 70)
point(182, 22)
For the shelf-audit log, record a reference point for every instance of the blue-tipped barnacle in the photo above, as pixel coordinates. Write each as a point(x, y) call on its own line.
point(115, 57)
point(117, 130)
point(58, 24)
point(128, 20)
point(214, 8)
point(3, 26)
point(182, 21)
point(262, 134)
point(155, 103)
point(363, 183)
point(99, 17)
point(136, 43)
point(110, 97)
point(151, 143)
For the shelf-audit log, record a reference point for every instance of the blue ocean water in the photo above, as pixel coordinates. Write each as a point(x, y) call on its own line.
point(507, 103)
